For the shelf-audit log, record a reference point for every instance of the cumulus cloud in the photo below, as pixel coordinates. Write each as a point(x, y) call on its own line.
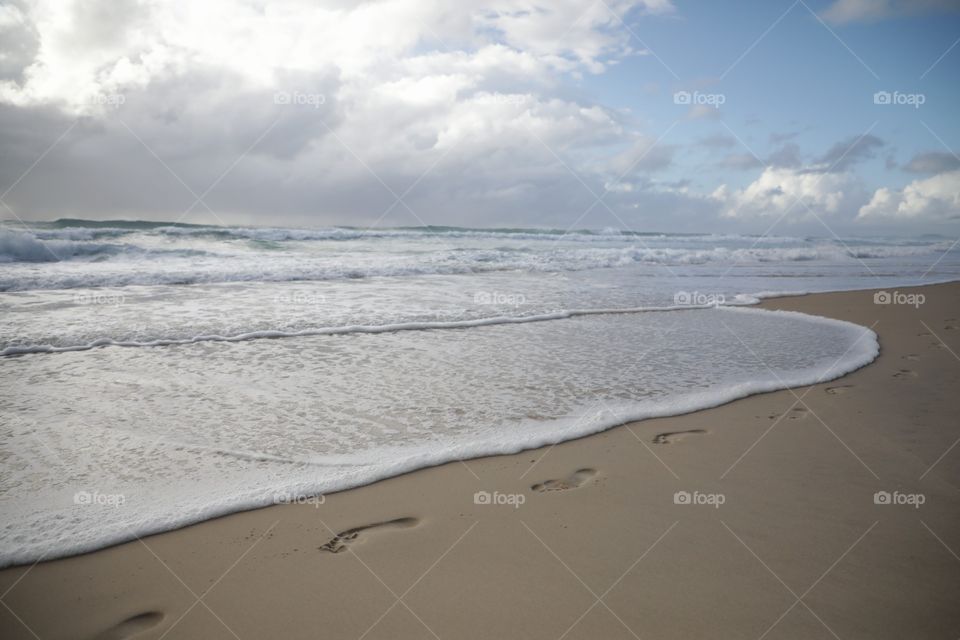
point(782, 191)
point(931, 199)
point(825, 187)
point(324, 111)
point(93, 47)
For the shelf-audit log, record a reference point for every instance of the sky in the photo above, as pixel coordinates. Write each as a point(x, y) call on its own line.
point(830, 117)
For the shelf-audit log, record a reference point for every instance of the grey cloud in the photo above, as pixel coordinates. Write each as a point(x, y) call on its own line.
point(786, 156)
point(101, 170)
point(850, 11)
point(207, 113)
point(740, 161)
point(381, 114)
point(846, 153)
point(19, 43)
point(932, 162)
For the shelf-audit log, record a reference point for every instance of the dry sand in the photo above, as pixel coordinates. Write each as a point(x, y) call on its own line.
point(598, 548)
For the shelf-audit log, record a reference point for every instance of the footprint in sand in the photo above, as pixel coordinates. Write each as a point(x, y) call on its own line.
point(839, 389)
point(670, 437)
point(797, 413)
point(905, 373)
point(574, 480)
point(341, 542)
point(132, 626)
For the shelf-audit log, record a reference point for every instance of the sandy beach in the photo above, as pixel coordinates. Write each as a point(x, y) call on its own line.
point(476, 320)
point(829, 511)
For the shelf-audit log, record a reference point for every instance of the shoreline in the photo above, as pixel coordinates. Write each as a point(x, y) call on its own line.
point(594, 510)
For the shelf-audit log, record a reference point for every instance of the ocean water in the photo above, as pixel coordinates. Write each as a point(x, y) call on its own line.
point(156, 375)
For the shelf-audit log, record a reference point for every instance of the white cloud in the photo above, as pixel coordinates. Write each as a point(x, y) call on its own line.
point(777, 191)
point(587, 32)
point(931, 199)
point(93, 47)
point(485, 109)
